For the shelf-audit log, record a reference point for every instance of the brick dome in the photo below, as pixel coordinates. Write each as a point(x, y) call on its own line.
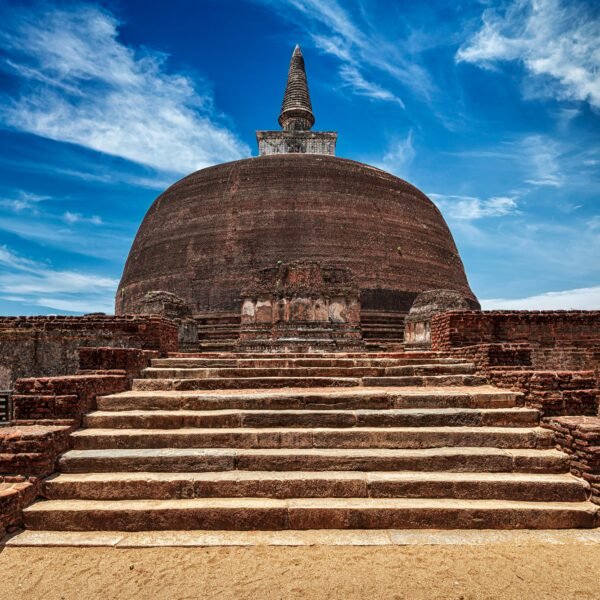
point(205, 236)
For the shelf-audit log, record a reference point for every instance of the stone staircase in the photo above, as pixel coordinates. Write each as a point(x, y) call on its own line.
point(304, 441)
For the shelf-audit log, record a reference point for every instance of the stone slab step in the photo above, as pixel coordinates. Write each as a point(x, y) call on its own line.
point(421, 354)
point(249, 383)
point(305, 513)
point(356, 437)
point(314, 399)
point(409, 417)
point(297, 371)
point(243, 383)
point(276, 361)
point(459, 459)
point(316, 484)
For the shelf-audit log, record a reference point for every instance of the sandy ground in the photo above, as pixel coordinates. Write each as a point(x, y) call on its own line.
point(448, 572)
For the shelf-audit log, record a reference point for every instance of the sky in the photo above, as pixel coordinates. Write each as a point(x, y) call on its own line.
point(491, 108)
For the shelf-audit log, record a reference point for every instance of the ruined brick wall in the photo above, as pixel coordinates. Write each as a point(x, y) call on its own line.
point(30, 451)
point(551, 357)
point(579, 437)
point(15, 495)
point(27, 455)
point(63, 399)
point(48, 346)
point(553, 393)
point(548, 328)
point(131, 361)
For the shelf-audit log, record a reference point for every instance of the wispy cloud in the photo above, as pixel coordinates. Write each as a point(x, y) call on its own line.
point(576, 299)
point(470, 208)
point(353, 78)
point(365, 55)
point(399, 155)
point(558, 43)
point(38, 284)
point(71, 218)
point(80, 83)
point(23, 201)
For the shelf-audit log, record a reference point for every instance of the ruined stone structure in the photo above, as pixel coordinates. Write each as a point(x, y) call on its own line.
point(301, 306)
point(297, 269)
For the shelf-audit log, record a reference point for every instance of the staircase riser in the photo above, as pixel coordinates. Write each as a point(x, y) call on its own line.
point(314, 439)
point(302, 403)
point(317, 419)
point(227, 373)
point(265, 363)
point(303, 488)
point(300, 382)
point(307, 518)
point(250, 462)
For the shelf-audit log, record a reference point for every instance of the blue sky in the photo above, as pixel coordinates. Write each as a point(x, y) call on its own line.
point(491, 108)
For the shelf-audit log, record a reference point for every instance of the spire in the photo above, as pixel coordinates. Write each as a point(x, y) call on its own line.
point(296, 110)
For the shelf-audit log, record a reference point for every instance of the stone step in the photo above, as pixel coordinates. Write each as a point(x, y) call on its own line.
point(316, 484)
point(314, 399)
point(305, 513)
point(458, 459)
point(296, 371)
point(355, 437)
point(421, 354)
point(250, 383)
point(449, 417)
point(275, 361)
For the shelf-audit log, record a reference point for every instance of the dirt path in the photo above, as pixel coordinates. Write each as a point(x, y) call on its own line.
point(448, 572)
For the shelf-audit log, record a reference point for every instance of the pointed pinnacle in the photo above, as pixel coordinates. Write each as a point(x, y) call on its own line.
point(296, 110)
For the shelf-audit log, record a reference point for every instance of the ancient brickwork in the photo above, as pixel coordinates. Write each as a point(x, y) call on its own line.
point(207, 235)
point(14, 497)
point(48, 346)
point(579, 437)
point(549, 329)
point(551, 357)
point(130, 360)
point(31, 450)
point(553, 393)
point(64, 399)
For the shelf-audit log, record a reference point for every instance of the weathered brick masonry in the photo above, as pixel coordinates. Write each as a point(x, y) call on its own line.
point(552, 357)
point(541, 330)
point(45, 411)
point(47, 346)
point(580, 438)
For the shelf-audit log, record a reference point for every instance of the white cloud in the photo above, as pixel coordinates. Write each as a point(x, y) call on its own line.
point(470, 208)
point(398, 156)
point(23, 201)
point(543, 154)
point(354, 79)
point(333, 30)
point(71, 218)
point(38, 284)
point(81, 84)
point(576, 299)
point(557, 42)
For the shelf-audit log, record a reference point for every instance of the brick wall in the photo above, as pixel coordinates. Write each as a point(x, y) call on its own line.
point(553, 393)
point(579, 437)
point(132, 361)
point(48, 346)
point(14, 497)
point(544, 329)
point(63, 399)
point(551, 357)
